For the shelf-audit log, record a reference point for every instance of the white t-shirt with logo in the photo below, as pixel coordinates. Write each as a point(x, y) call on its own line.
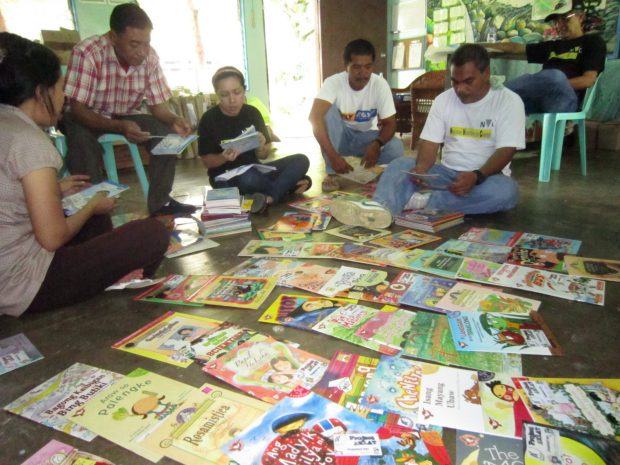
point(472, 132)
point(359, 108)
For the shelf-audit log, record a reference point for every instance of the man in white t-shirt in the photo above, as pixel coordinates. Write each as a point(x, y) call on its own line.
point(480, 127)
point(354, 114)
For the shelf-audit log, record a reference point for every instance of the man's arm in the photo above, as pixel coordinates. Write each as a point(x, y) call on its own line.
point(512, 48)
point(585, 81)
point(94, 120)
point(162, 112)
point(466, 180)
point(427, 155)
point(319, 129)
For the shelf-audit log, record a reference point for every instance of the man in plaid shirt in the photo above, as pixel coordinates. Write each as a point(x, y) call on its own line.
point(108, 78)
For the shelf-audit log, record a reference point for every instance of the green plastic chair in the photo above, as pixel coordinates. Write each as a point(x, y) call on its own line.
point(61, 145)
point(109, 161)
point(552, 142)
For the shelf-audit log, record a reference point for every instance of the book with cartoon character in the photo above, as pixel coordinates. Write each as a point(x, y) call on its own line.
point(426, 292)
point(599, 268)
point(464, 297)
point(235, 291)
point(405, 240)
point(388, 328)
point(357, 233)
point(17, 351)
point(176, 289)
point(492, 253)
point(301, 311)
point(476, 448)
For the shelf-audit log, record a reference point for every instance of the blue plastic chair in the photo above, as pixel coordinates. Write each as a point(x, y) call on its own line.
point(552, 141)
point(61, 145)
point(109, 161)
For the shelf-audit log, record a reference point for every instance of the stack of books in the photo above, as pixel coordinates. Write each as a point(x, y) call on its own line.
point(429, 219)
point(223, 213)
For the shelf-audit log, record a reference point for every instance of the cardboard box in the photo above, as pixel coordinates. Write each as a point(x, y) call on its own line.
point(609, 136)
point(592, 134)
point(61, 42)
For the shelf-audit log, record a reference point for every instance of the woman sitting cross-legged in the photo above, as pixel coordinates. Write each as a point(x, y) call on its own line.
point(228, 120)
point(48, 260)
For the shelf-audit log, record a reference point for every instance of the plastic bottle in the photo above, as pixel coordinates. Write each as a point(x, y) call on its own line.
point(491, 34)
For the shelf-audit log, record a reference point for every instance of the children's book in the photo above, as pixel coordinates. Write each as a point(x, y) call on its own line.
point(268, 369)
point(388, 328)
point(357, 233)
point(173, 144)
point(587, 406)
point(360, 174)
point(259, 267)
point(267, 235)
point(222, 197)
point(395, 257)
point(370, 287)
point(355, 252)
point(503, 408)
point(308, 277)
point(321, 221)
point(510, 333)
point(588, 290)
point(207, 419)
point(233, 173)
point(430, 339)
point(17, 351)
point(167, 338)
point(256, 248)
point(294, 222)
point(599, 268)
point(134, 280)
point(300, 311)
point(425, 292)
point(176, 289)
point(429, 219)
point(450, 397)
point(321, 203)
point(491, 236)
point(464, 297)
point(492, 253)
point(249, 139)
point(405, 240)
point(430, 180)
point(545, 445)
point(480, 271)
point(438, 263)
point(308, 428)
point(476, 448)
point(344, 322)
point(537, 258)
point(551, 243)
point(58, 453)
point(235, 291)
point(131, 408)
point(73, 203)
point(54, 402)
point(220, 341)
point(345, 278)
point(396, 288)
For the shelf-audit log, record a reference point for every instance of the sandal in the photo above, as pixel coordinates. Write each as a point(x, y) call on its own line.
point(308, 180)
point(259, 202)
point(330, 184)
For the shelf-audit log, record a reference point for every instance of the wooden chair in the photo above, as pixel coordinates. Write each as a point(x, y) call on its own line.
point(424, 89)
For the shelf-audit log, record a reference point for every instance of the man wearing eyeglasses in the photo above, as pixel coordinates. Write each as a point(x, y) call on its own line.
point(571, 64)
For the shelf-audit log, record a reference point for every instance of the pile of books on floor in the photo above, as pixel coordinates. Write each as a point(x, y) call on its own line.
point(223, 213)
point(429, 219)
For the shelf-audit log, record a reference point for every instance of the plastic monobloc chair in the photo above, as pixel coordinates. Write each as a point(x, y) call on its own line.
point(109, 161)
point(553, 125)
point(61, 145)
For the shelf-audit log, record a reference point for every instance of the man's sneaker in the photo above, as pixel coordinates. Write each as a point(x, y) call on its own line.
point(175, 208)
point(366, 213)
point(330, 183)
point(417, 200)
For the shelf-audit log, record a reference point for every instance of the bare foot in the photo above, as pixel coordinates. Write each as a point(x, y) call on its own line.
point(302, 186)
point(269, 200)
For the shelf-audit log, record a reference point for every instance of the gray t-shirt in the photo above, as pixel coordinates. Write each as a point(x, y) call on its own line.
point(24, 148)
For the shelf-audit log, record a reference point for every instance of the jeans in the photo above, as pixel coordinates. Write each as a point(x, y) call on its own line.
point(348, 141)
point(276, 184)
point(497, 193)
point(547, 91)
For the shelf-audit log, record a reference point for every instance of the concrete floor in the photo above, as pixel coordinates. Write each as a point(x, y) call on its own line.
point(569, 206)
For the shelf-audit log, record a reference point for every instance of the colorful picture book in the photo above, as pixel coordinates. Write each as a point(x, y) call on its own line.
point(308, 277)
point(464, 297)
point(388, 328)
point(321, 204)
point(176, 289)
point(426, 292)
point(537, 258)
point(357, 233)
point(299, 311)
point(168, 338)
point(480, 271)
point(17, 351)
point(405, 240)
point(360, 174)
point(260, 267)
point(173, 144)
point(73, 203)
point(235, 291)
point(438, 263)
point(58, 453)
point(429, 219)
point(55, 402)
point(345, 278)
point(521, 239)
point(490, 236)
point(248, 140)
point(607, 270)
point(294, 222)
point(220, 341)
point(476, 448)
point(492, 253)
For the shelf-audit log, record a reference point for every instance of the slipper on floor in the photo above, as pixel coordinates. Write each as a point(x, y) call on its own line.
point(308, 187)
point(330, 184)
point(259, 202)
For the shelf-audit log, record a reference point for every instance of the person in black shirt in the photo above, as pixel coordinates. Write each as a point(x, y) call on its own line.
point(228, 120)
point(571, 64)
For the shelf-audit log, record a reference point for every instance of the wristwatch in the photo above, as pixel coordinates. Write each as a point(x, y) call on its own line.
point(480, 177)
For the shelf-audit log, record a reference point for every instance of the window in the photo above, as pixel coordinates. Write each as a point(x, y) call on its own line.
point(50, 14)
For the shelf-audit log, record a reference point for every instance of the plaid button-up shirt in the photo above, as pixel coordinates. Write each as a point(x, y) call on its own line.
point(96, 78)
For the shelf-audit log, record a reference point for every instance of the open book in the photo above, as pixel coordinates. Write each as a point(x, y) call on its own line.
point(173, 144)
point(248, 140)
point(360, 174)
point(242, 169)
point(430, 180)
point(74, 202)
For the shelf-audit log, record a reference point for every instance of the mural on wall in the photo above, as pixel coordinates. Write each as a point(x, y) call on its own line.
point(451, 22)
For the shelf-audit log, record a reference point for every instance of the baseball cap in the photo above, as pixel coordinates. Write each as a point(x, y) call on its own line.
point(563, 7)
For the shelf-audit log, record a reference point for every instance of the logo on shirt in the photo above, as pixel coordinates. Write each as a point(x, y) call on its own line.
point(572, 54)
point(360, 116)
point(487, 123)
point(472, 133)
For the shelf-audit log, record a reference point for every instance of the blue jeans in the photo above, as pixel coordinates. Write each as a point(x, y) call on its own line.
point(547, 91)
point(275, 184)
point(497, 193)
point(348, 141)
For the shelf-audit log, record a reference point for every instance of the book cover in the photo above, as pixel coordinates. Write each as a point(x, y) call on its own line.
point(551, 243)
point(259, 267)
point(308, 277)
point(510, 333)
point(360, 174)
point(222, 196)
point(587, 406)
point(480, 271)
point(405, 240)
point(131, 408)
point(449, 397)
point(256, 248)
point(492, 253)
point(208, 419)
point(591, 291)
point(502, 406)
point(537, 258)
point(167, 338)
point(294, 222)
point(437, 263)
point(267, 235)
point(220, 341)
point(268, 369)
point(58, 453)
point(354, 252)
point(491, 236)
point(17, 351)
point(599, 268)
point(322, 249)
point(430, 339)
point(300, 311)
point(426, 292)
point(388, 328)
point(345, 278)
point(429, 215)
point(73, 203)
point(249, 139)
point(396, 289)
point(53, 402)
point(321, 203)
point(475, 448)
point(321, 221)
point(357, 233)
point(176, 289)
point(235, 291)
point(545, 445)
point(173, 144)
point(370, 286)
point(464, 297)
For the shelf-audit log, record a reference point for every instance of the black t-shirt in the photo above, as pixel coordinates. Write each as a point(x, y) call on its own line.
point(571, 56)
point(215, 127)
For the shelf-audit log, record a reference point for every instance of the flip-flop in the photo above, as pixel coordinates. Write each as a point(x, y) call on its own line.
point(259, 202)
